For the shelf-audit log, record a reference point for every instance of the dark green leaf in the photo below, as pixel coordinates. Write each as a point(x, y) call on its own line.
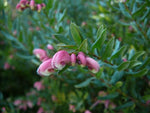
point(137, 55)
point(128, 104)
point(124, 11)
point(116, 77)
point(123, 66)
point(140, 73)
point(62, 39)
point(134, 63)
point(110, 96)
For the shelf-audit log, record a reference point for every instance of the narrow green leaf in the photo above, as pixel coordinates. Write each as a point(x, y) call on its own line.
point(139, 10)
point(100, 31)
point(116, 77)
point(61, 16)
point(134, 63)
point(145, 63)
point(62, 39)
point(85, 83)
point(123, 10)
point(123, 66)
point(110, 96)
point(84, 46)
point(137, 55)
point(120, 52)
point(75, 33)
point(101, 36)
point(140, 73)
point(108, 49)
point(128, 104)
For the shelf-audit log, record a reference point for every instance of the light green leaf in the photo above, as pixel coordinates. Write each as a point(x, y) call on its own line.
point(85, 83)
point(108, 49)
point(124, 11)
point(101, 36)
point(120, 52)
point(75, 33)
point(137, 55)
point(84, 46)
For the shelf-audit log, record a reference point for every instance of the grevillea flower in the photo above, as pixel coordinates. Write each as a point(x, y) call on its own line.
point(87, 111)
point(41, 54)
point(40, 110)
point(29, 104)
point(6, 65)
point(38, 85)
point(17, 102)
point(73, 59)
point(43, 5)
point(39, 7)
point(60, 59)
point(92, 64)
point(50, 47)
point(72, 108)
point(81, 59)
point(32, 4)
point(45, 68)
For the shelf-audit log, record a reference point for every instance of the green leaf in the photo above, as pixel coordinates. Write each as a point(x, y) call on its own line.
point(138, 11)
point(66, 46)
point(123, 66)
point(101, 36)
point(85, 83)
point(61, 16)
point(123, 10)
point(1, 96)
point(140, 73)
point(145, 63)
point(62, 39)
point(128, 104)
point(110, 96)
point(137, 55)
point(84, 46)
point(116, 77)
point(75, 33)
point(108, 49)
point(134, 63)
point(120, 52)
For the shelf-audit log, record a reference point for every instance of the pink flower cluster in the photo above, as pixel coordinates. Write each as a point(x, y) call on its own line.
point(61, 59)
point(23, 4)
point(23, 104)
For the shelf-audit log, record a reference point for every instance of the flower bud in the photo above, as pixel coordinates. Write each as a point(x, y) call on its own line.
point(81, 59)
point(73, 59)
point(32, 4)
point(45, 68)
point(43, 5)
point(39, 7)
point(50, 47)
point(60, 59)
point(92, 64)
point(41, 54)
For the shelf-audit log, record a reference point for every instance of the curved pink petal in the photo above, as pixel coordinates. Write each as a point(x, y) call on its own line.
point(32, 4)
point(41, 54)
point(92, 64)
point(45, 68)
point(81, 59)
point(60, 59)
point(50, 47)
point(73, 59)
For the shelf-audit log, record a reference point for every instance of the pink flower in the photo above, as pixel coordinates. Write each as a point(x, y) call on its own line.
point(32, 4)
point(87, 111)
point(39, 7)
point(53, 97)
point(106, 103)
point(6, 66)
point(39, 101)
point(60, 59)
point(92, 64)
point(3, 109)
point(43, 5)
point(81, 59)
point(14, 32)
point(41, 54)
point(102, 93)
point(72, 108)
point(29, 104)
point(124, 59)
point(50, 47)
point(17, 102)
point(37, 28)
point(40, 110)
point(24, 107)
point(38, 85)
point(45, 68)
point(23, 3)
point(73, 59)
